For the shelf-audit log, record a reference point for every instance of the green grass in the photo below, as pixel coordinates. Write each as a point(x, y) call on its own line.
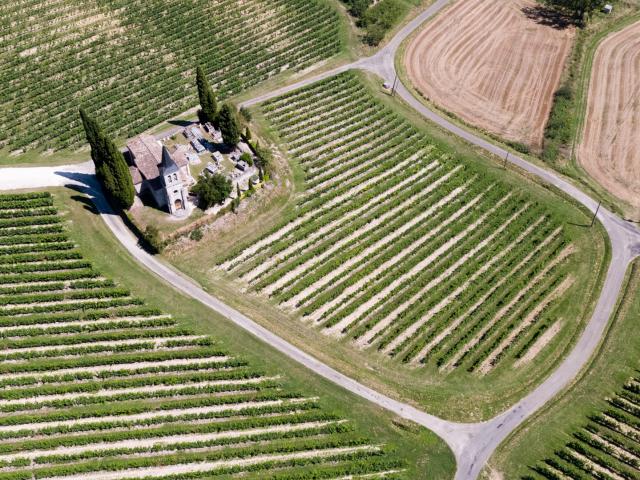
point(425, 455)
point(614, 365)
point(457, 395)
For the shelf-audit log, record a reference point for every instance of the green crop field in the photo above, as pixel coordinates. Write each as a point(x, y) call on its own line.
point(98, 385)
point(592, 431)
point(132, 62)
point(399, 248)
point(607, 447)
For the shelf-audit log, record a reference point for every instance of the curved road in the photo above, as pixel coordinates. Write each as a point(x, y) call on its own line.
point(471, 443)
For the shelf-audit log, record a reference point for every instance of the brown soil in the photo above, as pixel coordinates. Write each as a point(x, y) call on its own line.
point(494, 63)
point(608, 150)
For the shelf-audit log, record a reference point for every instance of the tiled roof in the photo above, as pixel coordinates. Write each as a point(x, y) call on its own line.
point(135, 175)
point(179, 155)
point(147, 154)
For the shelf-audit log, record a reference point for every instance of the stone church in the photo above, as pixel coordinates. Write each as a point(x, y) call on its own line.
point(160, 174)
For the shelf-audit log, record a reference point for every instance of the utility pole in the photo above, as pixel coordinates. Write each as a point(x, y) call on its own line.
point(593, 220)
point(505, 160)
point(395, 82)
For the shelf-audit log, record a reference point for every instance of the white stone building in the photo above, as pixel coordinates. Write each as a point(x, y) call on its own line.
point(160, 174)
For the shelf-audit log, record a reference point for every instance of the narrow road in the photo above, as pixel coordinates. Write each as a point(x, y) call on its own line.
point(471, 443)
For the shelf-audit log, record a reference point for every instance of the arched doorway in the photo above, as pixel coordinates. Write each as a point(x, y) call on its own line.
point(178, 204)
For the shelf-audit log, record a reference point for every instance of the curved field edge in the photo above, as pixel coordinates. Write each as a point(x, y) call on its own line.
point(572, 171)
point(575, 169)
point(426, 456)
point(615, 363)
point(458, 396)
point(499, 87)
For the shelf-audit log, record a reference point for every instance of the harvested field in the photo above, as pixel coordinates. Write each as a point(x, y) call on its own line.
point(608, 149)
point(495, 64)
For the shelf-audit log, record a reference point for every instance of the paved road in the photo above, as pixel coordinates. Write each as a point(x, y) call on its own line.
point(472, 444)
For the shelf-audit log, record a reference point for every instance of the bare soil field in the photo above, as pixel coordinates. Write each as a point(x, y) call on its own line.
point(608, 149)
point(494, 63)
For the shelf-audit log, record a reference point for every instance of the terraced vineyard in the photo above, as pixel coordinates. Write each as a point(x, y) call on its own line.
point(608, 447)
point(96, 385)
point(399, 247)
point(131, 62)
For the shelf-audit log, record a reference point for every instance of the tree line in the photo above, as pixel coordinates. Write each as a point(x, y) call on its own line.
point(580, 10)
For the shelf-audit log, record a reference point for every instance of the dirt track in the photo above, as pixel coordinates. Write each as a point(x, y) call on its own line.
point(609, 150)
point(492, 64)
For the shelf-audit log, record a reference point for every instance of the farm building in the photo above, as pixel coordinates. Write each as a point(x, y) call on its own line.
point(160, 174)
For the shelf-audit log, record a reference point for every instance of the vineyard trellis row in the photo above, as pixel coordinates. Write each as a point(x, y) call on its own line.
point(397, 246)
point(607, 447)
point(97, 385)
point(131, 63)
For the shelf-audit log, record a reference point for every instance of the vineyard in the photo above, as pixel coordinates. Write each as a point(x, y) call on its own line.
point(131, 63)
point(607, 447)
point(97, 385)
point(399, 248)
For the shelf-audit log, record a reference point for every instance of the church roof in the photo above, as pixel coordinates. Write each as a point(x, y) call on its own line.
point(168, 163)
point(179, 155)
point(135, 175)
point(147, 154)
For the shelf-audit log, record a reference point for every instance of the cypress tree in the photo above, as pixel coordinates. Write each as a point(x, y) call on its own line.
point(206, 96)
point(229, 126)
point(123, 192)
point(111, 168)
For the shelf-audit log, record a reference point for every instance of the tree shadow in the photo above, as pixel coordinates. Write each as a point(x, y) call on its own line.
point(181, 123)
point(549, 16)
point(95, 202)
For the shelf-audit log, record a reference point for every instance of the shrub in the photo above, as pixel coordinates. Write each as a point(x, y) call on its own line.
point(196, 234)
point(246, 157)
point(153, 238)
point(245, 113)
point(211, 190)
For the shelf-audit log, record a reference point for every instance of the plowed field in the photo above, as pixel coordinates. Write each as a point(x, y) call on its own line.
point(608, 150)
point(496, 64)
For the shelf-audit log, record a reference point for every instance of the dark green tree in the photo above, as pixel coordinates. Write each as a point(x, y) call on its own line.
point(122, 192)
point(206, 96)
point(211, 190)
point(579, 9)
point(92, 131)
point(229, 125)
point(111, 168)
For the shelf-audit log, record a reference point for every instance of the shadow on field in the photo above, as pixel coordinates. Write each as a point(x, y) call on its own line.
point(549, 16)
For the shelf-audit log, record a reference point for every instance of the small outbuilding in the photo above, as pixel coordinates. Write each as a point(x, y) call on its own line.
point(211, 168)
point(197, 146)
point(608, 8)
